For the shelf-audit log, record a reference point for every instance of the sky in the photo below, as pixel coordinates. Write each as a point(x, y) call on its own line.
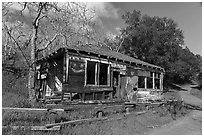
point(187, 15)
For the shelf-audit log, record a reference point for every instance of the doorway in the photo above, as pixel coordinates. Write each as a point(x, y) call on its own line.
point(116, 77)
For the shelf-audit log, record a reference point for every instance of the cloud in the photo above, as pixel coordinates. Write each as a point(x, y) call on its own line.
point(104, 9)
point(100, 11)
point(118, 29)
point(110, 35)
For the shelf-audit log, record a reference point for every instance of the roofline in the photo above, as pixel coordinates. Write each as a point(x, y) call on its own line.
point(65, 49)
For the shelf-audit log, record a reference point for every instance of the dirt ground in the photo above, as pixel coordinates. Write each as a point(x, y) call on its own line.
point(191, 124)
point(188, 125)
point(121, 125)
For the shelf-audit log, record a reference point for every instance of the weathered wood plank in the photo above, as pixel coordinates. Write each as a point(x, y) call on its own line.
point(32, 109)
point(97, 88)
point(75, 121)
point(33, 128)
point(23, 109)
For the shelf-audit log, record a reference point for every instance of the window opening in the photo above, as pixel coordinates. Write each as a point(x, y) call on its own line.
point(150, 81)
point(91, 72)
point(103, 74)
point(157, 80)
point(141, 82)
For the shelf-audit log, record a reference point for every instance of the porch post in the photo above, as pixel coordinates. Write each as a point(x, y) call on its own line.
point(145, 82)
point(67, 67)
point(65, 70)
point(153, 80)
point(161, 80)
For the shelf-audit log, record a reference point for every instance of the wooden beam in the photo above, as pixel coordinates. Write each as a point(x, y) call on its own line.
point(30, 109)
point(75, 121)
point(33, 128)
point(137, 113)
point(23, 109)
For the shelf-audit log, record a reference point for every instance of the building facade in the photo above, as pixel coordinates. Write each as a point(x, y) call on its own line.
point(88, 72)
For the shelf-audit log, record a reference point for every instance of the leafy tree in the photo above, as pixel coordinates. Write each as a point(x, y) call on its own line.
point(159, 41)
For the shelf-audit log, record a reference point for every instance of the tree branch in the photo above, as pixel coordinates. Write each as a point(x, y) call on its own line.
point(117, 49)
point(7, 30)
point(24, 7)
point(36, 20)
point(49, 42)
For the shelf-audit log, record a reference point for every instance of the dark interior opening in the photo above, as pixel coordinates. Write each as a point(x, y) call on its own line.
point(103, 74)
point(91, 72)
point(141, 82)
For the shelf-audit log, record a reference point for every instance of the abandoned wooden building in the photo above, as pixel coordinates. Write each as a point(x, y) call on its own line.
point(91, 73)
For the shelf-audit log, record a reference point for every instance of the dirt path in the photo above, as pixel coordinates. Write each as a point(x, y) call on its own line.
point(188, 125)
point(188, 98)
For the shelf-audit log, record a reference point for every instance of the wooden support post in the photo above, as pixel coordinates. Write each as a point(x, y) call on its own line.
point(103, 95)
point(83, 96)
point(62, 96)
point(111, 95)
point(70, 96)
point(65, 74)
point(93, 95)
point(97, 74)
point(80, 96)
point(118, 88)
point(153, 80)
point(109, 76)
point(67, 68)
point(145, 82)
point(161, 80)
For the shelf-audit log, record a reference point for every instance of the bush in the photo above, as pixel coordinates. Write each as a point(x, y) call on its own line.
point(14, 91)
point(24, 118)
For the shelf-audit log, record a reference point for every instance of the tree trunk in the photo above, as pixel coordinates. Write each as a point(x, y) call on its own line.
point(31, 77)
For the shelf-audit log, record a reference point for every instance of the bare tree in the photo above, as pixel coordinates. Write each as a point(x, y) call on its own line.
point(38, 25)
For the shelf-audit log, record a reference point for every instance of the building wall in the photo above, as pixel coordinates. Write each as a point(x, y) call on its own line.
point(71, 71)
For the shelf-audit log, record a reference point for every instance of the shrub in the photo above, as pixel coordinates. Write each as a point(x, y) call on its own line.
point(14, 91)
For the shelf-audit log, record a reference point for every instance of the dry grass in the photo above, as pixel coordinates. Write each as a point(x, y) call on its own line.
point(15, 94)
point(14, 91)
point(120, 123)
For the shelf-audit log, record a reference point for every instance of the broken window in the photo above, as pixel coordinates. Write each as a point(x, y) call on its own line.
point(91, 72)
point(103, 74)
point(157, 80)
point(141, 82)
point(150, 81)
point(97, 73)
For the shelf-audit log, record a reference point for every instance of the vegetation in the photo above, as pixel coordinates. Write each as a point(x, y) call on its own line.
point(42, 27)
point(117, 123)
point(37, 28)
point(14, 93)
point(159, 41)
